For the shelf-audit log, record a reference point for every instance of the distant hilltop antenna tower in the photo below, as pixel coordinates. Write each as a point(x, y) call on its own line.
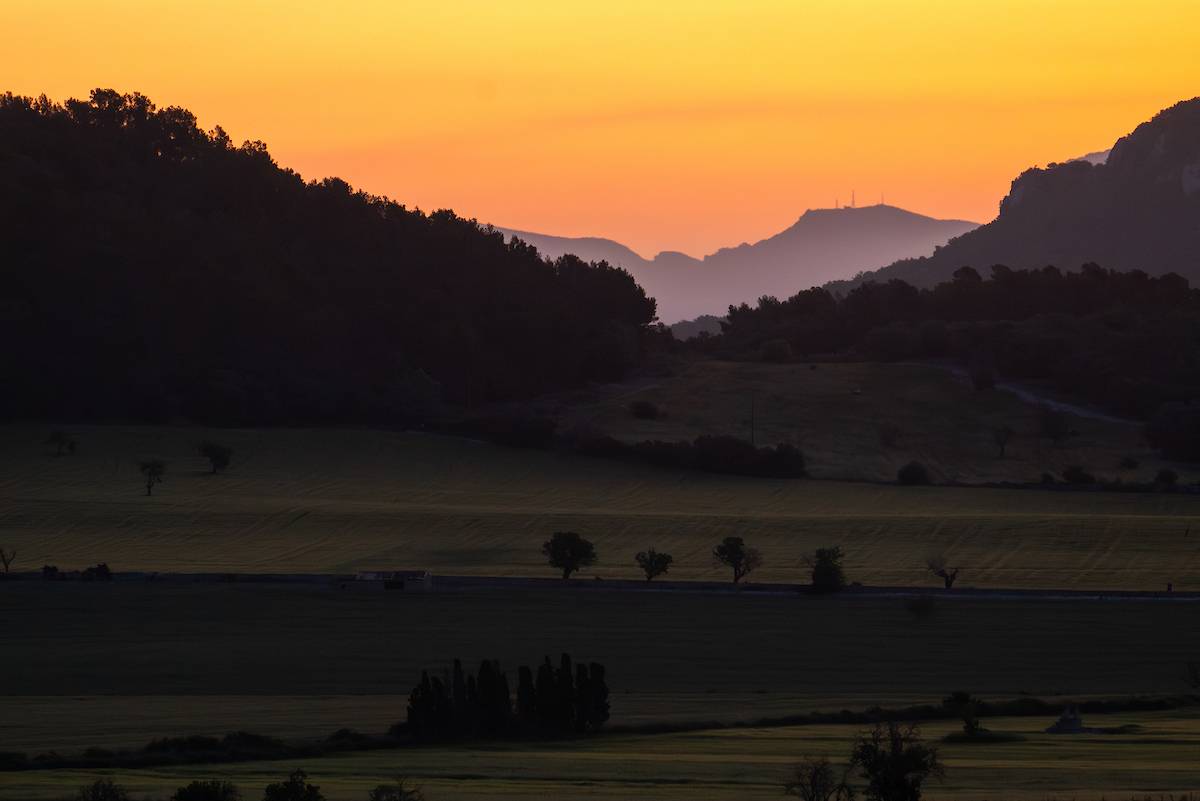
point(852, 200)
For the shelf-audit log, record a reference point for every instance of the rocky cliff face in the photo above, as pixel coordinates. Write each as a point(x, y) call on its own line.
point(1139, 209)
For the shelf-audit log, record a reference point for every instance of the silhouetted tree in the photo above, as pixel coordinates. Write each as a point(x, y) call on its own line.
point(965, 706)
point(218, 456)
point(653, 563)
point(1191, 675)
point(816, 780)
point(153, 471)
point(7, 558)
point(937, 566)
point(1001, 435)
point(102, 790)
point(733, 553)
point(295, 788)
point(527, 710)
point(569, 552)
point(211, 790)
point(894, 762)
point(827, 572)
point(399, 790)
point(913, 474)
point(1166, 477)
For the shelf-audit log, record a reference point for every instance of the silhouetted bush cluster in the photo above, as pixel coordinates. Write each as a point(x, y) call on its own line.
point(645, 410)
point(153, 270)
point(558, 702)
point(714, 454)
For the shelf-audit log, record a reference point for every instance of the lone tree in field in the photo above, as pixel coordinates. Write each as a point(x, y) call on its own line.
point(816, 780)
point(1001, 435)
point(654, 563)
point(153, 470)
point(7, 558)
point(568, 551)
point(938, 567)
point(895, 762)
point(218, 456)
point(733, 553)
point(827, 572)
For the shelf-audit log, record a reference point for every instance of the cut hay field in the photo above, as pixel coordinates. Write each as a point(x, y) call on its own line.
point(727, 765)
point(834, 413)
point(340, 500)
point(115, 665)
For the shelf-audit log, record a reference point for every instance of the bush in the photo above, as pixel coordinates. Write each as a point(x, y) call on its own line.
point(913, 474)
point(102, 790)
point(1128, 463)
point(1166, 477)
point(827, 573)
point(296, 788)
point(645, 410)
point(211, 790)
point(399, 790)
point(1075, 474)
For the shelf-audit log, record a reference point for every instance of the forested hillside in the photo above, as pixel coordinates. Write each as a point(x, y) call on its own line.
point(1121, 340)
point(150, 270)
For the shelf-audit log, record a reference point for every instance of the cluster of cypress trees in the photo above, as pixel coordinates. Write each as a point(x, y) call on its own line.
point(560, 701)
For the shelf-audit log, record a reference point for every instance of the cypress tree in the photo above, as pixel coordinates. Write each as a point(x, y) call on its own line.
point(598, 688)
point(565, 695)
point(547, 695)
point(527, 716)
point(583, 699)
point(462, 711)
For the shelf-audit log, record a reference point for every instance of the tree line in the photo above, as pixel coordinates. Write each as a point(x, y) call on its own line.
point(151, 270)
point(1123, 340)
point(564, 701)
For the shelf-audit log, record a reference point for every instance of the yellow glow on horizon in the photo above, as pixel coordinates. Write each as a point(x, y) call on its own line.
point(666, 125)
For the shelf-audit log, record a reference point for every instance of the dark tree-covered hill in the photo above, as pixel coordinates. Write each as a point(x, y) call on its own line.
point(150, 270)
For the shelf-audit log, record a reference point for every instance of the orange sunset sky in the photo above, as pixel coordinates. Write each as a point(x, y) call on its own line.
point(665, 125)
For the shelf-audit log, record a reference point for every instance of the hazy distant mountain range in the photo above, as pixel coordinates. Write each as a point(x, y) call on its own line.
point(1136, 209)
point(823, 245)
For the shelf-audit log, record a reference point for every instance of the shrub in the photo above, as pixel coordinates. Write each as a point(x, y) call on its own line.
point(211, 790)
point(912, 474)
point(653, 563)
point(645, 410)
point(399, 790)
point(1128, 463)
point(827, 572)
point(295, 788)
point(1166, 477)
point(102, 790)
point(1075, 474)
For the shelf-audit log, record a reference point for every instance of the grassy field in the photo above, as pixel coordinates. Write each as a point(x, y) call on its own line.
point(834, 414)
point(127, 662)
point(340, 500)
point(726, 765)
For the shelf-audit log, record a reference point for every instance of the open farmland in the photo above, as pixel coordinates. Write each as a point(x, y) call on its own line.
point(115, 665)
point(340, 500)
point(714, 766)
point(835, 413)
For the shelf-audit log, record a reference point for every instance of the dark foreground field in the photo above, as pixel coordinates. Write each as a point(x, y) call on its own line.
point(117, 664)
